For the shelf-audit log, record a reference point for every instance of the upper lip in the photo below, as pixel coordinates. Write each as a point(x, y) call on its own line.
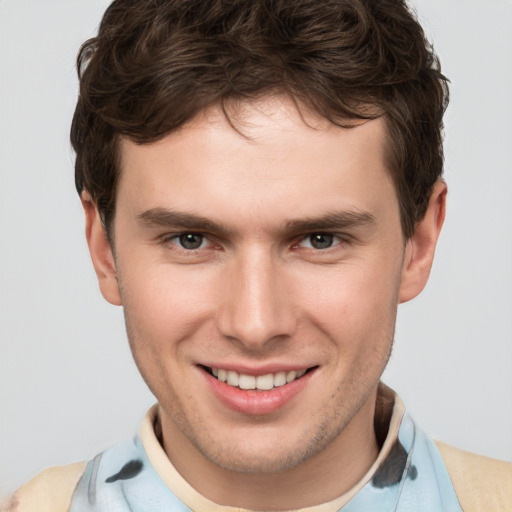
point(256, 371)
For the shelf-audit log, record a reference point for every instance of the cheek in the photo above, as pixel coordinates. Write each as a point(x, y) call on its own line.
point(162, 307)
point(356, 302)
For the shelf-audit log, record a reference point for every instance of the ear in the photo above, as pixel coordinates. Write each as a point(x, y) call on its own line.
point(420, 248)
point(101, 252)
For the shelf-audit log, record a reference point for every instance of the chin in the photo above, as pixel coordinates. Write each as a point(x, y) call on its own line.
point(240, 461)
point(273, 454)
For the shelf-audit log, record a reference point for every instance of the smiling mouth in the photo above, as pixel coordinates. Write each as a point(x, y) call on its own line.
point(259, 383)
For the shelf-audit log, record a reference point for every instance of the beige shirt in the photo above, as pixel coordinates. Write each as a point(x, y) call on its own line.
point(481, 483)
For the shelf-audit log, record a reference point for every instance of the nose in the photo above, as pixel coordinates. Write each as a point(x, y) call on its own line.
point(256, 307)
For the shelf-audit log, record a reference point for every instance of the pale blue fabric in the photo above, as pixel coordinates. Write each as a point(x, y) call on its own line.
point(413, 478)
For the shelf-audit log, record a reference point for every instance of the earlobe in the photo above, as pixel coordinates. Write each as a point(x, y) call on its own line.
point(420, 248)
point(101, 252)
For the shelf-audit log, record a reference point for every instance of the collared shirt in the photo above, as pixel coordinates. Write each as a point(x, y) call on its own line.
point(409, 474)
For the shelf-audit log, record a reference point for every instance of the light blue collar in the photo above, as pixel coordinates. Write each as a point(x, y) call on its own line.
point(412, 478)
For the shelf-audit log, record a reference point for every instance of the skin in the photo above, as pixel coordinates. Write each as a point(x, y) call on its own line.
point(258, 295)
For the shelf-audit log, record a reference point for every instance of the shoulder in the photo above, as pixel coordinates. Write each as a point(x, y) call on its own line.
point(481, 483)
point(49, 491)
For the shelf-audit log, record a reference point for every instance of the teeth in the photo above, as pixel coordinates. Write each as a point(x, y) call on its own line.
point(232, 379)
point(291, 376)
point(247, 382)
point(263, 382)
point(280, 379)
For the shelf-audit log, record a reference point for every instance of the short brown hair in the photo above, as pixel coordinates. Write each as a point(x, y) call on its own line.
point(155, 64)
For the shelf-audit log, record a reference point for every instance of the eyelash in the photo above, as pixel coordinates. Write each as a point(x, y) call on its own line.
point(337, 240)
point(174, 239)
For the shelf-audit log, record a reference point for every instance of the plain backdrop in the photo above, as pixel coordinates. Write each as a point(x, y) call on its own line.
point(69, 387)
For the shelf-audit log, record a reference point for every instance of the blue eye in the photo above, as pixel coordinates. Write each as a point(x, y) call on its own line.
point(319, 241)
point(190, 241)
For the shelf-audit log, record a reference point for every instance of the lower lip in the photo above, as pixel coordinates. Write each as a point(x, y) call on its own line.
point(253, 401)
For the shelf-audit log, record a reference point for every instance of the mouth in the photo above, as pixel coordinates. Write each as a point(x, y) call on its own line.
point(265, 382)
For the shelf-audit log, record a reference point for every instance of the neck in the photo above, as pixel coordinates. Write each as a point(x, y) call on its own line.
point(320, 479)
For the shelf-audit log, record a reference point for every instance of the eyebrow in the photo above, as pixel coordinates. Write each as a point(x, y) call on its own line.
point(334, 220)
point(331, 221)
point(162, 217)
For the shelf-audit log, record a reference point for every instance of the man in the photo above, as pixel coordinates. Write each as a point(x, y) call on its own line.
point(262, 186)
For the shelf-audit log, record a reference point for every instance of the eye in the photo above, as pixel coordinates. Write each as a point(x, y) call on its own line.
point(190, 241)
point(319, 241)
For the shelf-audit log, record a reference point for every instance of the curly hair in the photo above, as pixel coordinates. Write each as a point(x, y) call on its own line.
point(155, 64)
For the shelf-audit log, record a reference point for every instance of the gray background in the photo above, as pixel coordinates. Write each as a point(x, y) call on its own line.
point(68, 386)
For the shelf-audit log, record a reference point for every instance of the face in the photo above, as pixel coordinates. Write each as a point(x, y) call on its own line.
point(260, 276)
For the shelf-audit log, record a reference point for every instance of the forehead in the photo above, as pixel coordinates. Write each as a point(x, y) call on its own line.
point(265, 156)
